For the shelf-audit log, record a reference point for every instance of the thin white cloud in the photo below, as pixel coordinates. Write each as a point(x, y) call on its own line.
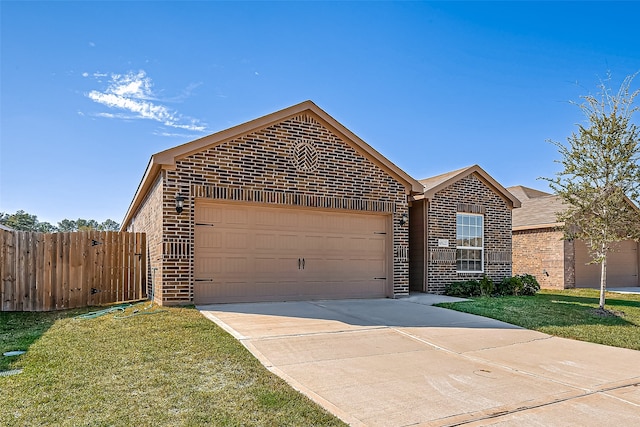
point(176, 135)
point(133, 93)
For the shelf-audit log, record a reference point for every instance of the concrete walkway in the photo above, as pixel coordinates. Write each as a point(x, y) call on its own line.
point(404, 362)
point(627, 290)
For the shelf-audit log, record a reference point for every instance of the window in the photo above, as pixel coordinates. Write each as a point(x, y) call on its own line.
point(469, 243)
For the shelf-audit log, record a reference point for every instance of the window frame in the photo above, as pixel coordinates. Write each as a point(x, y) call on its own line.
point(459, 247)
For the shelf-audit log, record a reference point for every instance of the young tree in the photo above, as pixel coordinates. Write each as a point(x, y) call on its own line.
point(600, 180)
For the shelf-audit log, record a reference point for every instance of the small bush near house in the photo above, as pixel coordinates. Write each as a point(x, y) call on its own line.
point(530, 285)
point(524, 284)
point(468, 288)
point(509, 286)
point(486, 286)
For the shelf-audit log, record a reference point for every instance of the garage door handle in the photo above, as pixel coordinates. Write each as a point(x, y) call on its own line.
point(298, 263)
point(303, 263)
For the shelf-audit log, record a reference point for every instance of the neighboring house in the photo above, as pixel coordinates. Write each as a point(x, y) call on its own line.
point(294, 206)
point(289, 206)
point(460, 230)
point(539, 248)
point(5, 227)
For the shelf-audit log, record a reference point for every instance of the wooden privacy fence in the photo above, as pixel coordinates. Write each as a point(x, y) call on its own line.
point(54, 271)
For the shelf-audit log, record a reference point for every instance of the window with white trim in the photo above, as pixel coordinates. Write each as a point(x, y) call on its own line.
point(469, 243)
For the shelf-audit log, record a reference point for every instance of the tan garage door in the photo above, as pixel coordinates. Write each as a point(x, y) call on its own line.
point(256, 253)
point(622, 266)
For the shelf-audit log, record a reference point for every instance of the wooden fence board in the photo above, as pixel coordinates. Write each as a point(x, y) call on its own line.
point(30, 253)
point(42, 272)
point(39, 255)
point(48, 252)
point(22, 273)
point(142, 250)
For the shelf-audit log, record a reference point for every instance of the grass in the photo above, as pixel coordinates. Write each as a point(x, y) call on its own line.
point(173, 368)
point(566, 313)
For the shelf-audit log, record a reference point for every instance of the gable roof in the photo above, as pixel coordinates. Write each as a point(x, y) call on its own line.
point(167, 159)
point(540, 210)
point(437, 183)
point(524, 193)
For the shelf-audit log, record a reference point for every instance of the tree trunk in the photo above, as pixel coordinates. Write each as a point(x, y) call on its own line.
point(603, 280)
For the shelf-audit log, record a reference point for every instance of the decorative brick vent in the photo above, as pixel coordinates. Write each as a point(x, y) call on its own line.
point(305, 156)
point(470, 208)
point(401, 254)
point(498, 257)
point(176, 249)
point(290, 198)
point(442, 256)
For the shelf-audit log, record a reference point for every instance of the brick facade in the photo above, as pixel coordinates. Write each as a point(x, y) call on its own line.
point(295, 162)
point(149, 220)
point(469, 194)
point(544, 254)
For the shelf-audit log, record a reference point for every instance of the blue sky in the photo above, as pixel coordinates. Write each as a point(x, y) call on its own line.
point(90, 90)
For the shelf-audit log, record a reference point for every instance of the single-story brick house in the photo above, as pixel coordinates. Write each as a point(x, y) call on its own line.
point(460, 229)
point(539, 248)
point(291, 206)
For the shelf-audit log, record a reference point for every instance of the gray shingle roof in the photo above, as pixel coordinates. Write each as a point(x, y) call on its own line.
point(538, 208)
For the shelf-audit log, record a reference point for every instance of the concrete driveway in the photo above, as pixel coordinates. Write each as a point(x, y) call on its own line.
point(403, 362)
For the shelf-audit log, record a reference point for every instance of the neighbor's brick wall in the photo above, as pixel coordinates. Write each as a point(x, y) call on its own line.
point(148, 220)
point(262, 161)
point(470, 195)
point(544, 254)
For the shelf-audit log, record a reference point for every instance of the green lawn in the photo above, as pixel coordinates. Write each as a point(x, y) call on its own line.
point(568, 313)
point(167, 369)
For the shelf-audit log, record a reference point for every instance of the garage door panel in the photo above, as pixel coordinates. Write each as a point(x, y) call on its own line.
point(208, 239)
point(257, 253)
point(236, 240)
point(208, 216)
point(376, 245)
point(235, 265)
point(236, 217)
point(622, 266)
point(208, 268)
point(281, 266)
point(312, 243)
point(270, 241)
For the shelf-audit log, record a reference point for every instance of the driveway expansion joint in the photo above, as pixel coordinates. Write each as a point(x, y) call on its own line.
point(487, 414)
point(310, 334)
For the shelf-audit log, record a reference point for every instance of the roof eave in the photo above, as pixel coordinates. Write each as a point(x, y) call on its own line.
point(167, 159)
point(150, 174)
point(511, 200)
point(537, 226)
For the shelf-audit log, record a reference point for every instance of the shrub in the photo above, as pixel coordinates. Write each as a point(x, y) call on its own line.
point(509, 286)
point(486, 286)
point(524, 284)
point(530, 285)
point(468, 288)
